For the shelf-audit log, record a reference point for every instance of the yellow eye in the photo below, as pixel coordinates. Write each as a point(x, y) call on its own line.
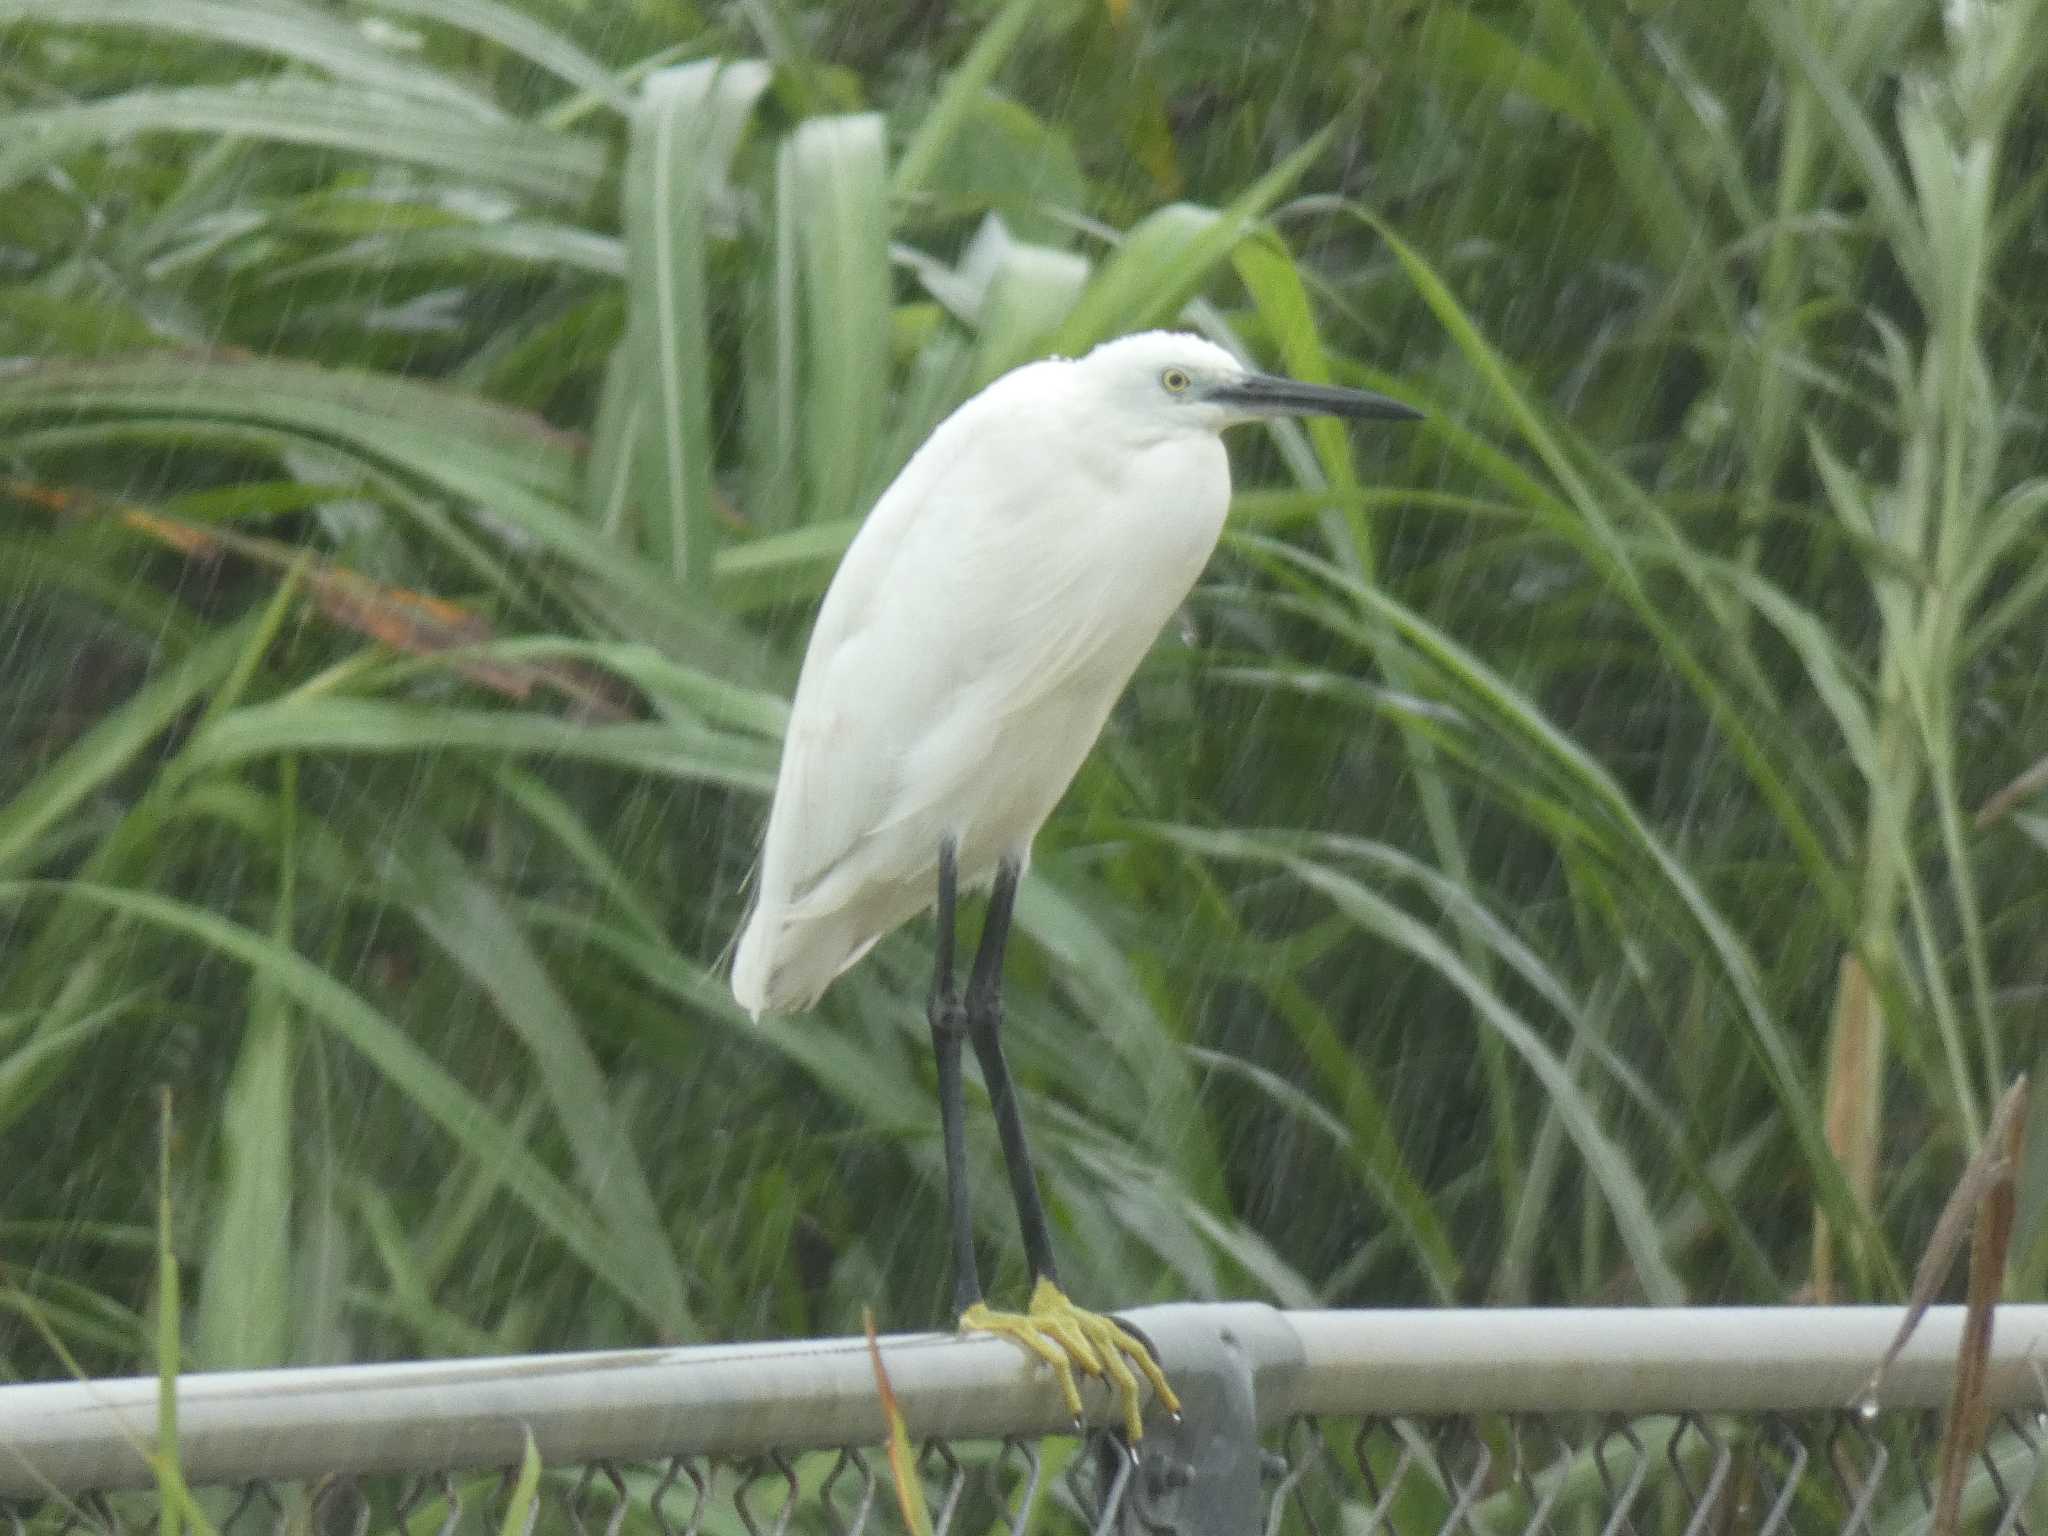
point(1175, 381)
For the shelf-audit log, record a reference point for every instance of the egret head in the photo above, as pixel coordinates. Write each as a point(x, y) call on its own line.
point(1171, 380)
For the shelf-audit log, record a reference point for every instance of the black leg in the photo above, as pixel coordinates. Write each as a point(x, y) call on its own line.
point(948, 1023)
point(984, 1028)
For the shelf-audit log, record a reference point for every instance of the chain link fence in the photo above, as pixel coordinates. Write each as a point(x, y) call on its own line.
point(1328, 1424)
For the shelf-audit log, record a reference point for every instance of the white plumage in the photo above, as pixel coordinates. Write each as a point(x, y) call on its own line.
point(981, 626)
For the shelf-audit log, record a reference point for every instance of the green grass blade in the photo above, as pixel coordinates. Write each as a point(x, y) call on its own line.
point(464, 917)
point(245, 1300)
point(408, 1297)
point(554, 815)
point(556, 167)
point(29, 1068)
point(170, 1478)
point(1456, 44)
point(1029, 289)
point(685, 129)
point(245, 1303)
point(1167, 257)
point(1507, 709)
point(1360, 1119)
point(538, 243)
point(114, 743)
point(1151, 1049)
point(404, 1065)
point(1642, 164)
point(941, 121)
point(1862, 147)
point(284, 29)
point(522, 1508)
point(782, 567)
point(770, 371)
point(1628, 1203)
point(333, 725)
point(507, 465)
point(1611, 554)
point(835, 174)
point(608, 472)
point(1277, 291)
point(523, 36)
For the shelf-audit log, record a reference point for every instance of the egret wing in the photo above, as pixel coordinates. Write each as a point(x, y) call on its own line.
point(958, 603)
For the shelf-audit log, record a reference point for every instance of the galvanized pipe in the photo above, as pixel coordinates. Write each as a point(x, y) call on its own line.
point(735, 1400)
point(1647, 1360)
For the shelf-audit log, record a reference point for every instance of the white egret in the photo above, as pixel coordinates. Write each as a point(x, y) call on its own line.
point(982, 624)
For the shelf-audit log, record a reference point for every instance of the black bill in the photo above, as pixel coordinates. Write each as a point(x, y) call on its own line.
point(1263, 394)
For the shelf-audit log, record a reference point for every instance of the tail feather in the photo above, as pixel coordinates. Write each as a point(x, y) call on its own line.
point(753, 965)
point(784, 964)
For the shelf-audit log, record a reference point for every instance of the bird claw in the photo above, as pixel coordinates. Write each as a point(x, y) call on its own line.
point(1071, 1340)
point(1148, 1362)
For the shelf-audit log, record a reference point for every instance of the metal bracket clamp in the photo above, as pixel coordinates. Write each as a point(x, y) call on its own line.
point(1202, 1475)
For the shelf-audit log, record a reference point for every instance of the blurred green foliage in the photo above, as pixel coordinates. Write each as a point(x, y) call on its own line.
point(1545, 865)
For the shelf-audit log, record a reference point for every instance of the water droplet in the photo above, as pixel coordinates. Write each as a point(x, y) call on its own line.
point(1867, 1409)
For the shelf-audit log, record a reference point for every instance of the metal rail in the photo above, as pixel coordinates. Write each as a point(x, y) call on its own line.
point(1245, 1368)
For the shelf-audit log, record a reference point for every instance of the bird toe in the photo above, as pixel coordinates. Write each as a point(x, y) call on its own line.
point(1076, 1342)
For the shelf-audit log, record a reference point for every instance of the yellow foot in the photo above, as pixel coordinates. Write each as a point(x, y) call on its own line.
point(1069, 1340)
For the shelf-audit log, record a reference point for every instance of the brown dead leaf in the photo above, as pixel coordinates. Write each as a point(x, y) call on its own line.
point(1992, 1169)
point(52, 498)
point(1855, 1087)
point(902, 1455)
point(409, 622)
point(1969, 1406)
point(2023, 788)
